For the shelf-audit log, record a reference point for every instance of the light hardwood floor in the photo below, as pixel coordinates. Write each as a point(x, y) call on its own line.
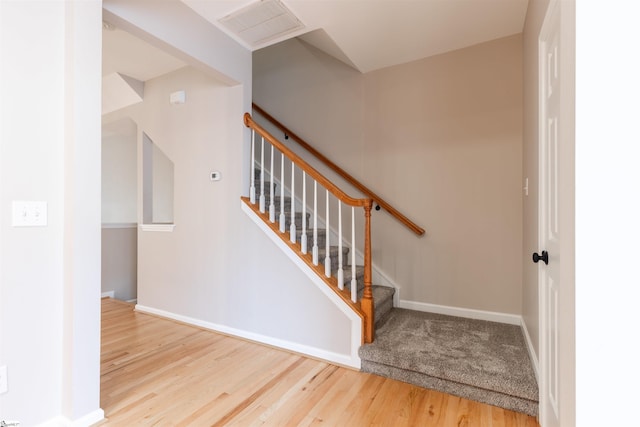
point(156, 372)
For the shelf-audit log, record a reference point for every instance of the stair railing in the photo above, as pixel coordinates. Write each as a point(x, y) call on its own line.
point(380, 202)
point(257, 201)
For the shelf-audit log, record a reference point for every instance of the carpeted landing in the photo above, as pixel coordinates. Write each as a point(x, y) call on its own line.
point(483, 361)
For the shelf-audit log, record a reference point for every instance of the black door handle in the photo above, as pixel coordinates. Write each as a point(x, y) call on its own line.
point(544, 257)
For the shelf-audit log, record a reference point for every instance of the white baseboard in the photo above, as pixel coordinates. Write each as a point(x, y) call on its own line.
point(340, 359)
point(110, 294)
point(86, 421)
point(511, 319)
point(532, 352)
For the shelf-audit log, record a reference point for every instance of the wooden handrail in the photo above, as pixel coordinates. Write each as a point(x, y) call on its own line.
point(337, 169)
point(250, 123)
point(366, 303)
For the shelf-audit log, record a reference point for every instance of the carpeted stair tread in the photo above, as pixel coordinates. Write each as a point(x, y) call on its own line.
point(333, 253)
point(382, 302)
point(346, 271)
point(322, 235)
point(466, 356)
point(256, 185)
point(287, 219)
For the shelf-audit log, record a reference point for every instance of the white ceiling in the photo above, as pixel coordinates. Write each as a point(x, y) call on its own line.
point(373, 34)
point(365, 34)
point(125, 54)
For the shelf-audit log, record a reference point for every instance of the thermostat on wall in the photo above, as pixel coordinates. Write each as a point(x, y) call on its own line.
point(178, 97)
point(216, 176)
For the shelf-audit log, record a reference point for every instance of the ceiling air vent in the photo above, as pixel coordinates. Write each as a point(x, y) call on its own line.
point(261, 22)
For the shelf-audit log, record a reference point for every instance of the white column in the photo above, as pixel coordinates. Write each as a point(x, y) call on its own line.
point(292, 226)
point(327, 256)
point(354, 282)
point(272, 206)
point(282, 218)
point(314, 250)
point(340, 271)
point(252, 187)
point(262, 170)
point(303, 236)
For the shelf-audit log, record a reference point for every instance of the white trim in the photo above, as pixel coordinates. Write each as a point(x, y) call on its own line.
point(492, 316)
point(356, 323)
point(109, 294)
point(157, 227)
point(88, 420)
point(318, 353)
point(119, 225)
point(531, 349)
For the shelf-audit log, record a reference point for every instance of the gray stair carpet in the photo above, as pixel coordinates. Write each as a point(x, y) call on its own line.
point(479, 360)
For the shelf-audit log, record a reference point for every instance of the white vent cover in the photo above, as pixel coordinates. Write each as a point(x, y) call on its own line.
point(261, 22)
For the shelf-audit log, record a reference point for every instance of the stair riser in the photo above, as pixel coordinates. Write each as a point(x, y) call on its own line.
point(322, 241)
point(335, 259)
point(470, 392)
point(287, 216)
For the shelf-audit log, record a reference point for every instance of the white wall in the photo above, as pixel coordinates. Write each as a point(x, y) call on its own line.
point(163, 183)
point(439, 138)
point(119, 172)
point(607, 212)
point(50, 151)
point(217, 267)
point(197, 43)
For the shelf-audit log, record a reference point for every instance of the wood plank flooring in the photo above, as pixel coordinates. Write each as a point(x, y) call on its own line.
point(157, 372)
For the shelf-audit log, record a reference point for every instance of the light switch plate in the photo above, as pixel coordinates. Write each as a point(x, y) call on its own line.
point(29, 214)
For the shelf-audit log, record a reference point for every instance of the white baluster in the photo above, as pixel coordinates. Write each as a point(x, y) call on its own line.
point(340, 271)
point(282, 219)
point(292, 227)
point(314, 250)
point(252, 187)
point(354, 282)
point(303, 236)
point(272, 206)
point(262, 207)
point(327, 257)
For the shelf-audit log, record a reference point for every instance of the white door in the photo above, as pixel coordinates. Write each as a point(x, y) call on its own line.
point(555, 255)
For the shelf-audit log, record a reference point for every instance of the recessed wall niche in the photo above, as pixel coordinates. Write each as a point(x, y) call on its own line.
point(157, 193)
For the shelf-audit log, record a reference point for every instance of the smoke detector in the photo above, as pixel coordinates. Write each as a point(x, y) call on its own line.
point(108, 26)
point(261, 22)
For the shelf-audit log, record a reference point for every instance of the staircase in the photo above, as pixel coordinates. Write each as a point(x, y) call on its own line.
point(382, 295)
point(478, 360)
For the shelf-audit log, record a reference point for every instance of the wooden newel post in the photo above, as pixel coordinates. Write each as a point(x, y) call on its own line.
point(367, 297)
